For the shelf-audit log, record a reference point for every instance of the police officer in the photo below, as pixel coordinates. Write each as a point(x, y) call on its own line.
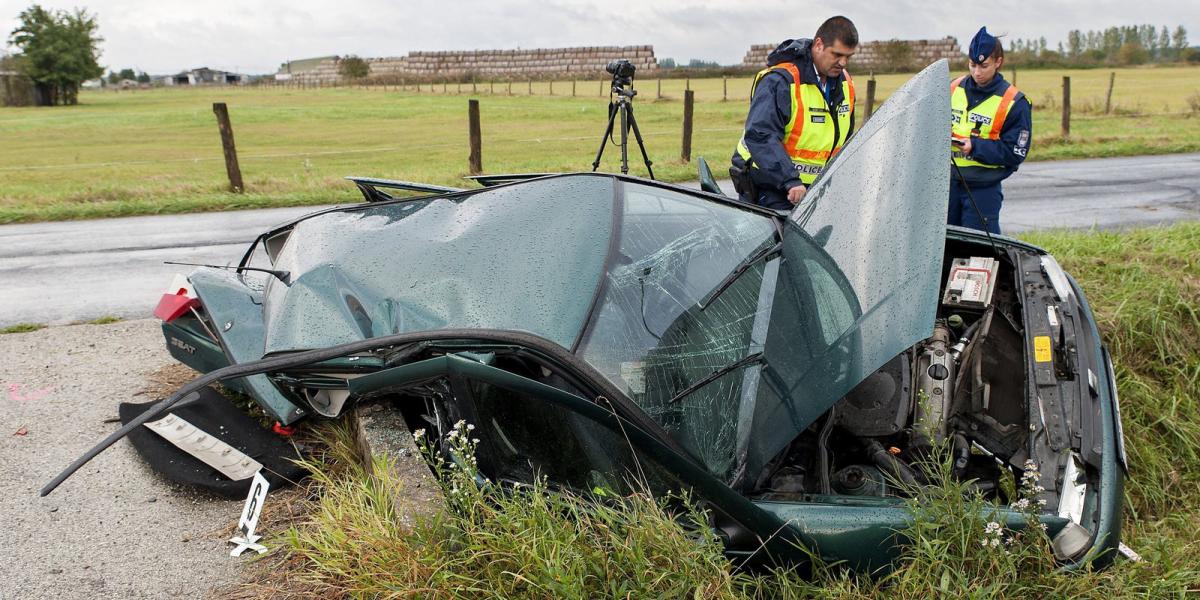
point(801, 112)
point(990, 135)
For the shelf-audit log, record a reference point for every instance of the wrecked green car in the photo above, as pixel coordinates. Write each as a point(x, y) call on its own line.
point(786, 369)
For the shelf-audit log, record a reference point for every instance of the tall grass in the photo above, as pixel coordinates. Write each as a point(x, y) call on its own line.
point(1144, 287)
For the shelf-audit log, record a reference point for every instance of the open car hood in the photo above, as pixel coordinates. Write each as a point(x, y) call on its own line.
point(862, 256)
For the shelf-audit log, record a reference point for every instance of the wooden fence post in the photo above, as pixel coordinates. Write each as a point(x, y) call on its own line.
point(551, 87)
point(476, 158)
point(659, 89)
point(870, 97)
point(1066, 111)
point(1014, 81)
point(572, 88)
point(231, 161)
point(509, 87)
point(724, 88)
point(530, 87)
point(686, 153)
point(1112, 76)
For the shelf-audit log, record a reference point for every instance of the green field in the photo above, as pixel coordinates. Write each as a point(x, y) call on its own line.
point(152, 151)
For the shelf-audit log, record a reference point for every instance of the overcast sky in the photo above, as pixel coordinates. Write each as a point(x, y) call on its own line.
point(166, 36)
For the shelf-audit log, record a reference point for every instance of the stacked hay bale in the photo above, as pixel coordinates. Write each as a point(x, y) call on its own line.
point(534, 63)
point(879, 55)
point(525, 63)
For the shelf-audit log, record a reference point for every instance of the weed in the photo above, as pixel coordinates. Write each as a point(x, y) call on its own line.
point(22, 328)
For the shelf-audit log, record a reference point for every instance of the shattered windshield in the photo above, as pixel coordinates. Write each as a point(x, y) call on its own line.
point(649, 335)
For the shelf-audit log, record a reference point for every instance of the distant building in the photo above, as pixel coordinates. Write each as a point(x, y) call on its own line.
point(16, 89)
point(204, 76)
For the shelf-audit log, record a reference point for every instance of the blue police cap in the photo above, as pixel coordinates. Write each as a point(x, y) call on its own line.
point(981, 45)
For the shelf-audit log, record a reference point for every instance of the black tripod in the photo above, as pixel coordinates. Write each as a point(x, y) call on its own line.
point(623, 104)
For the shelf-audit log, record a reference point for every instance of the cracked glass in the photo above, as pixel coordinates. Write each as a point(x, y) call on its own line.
point(649, 335)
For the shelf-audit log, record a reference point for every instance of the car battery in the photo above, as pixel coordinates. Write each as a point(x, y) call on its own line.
point(971, 282)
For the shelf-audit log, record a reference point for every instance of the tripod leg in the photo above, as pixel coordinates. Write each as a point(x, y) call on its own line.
point(612, 113)
point(625, 118)
point(637, 134)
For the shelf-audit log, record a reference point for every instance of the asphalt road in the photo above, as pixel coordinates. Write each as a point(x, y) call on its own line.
point(57, 273)
point(116, 529)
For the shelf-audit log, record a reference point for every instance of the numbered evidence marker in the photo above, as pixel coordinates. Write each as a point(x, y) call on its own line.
point(246, 539)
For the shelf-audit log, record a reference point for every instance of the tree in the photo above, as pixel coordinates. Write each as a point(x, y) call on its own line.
point(1164, 44)
point(354, 67)
point(1075, 43)
point(143, 77)
point(1179, 39)
point(896, 55)
point(59, 49)
point(1131, 53)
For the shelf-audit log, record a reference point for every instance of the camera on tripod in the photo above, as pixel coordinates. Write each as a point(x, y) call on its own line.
point(621, 107)
point(622, 72)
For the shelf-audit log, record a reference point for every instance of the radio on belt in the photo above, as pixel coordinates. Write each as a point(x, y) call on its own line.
point(971, 282)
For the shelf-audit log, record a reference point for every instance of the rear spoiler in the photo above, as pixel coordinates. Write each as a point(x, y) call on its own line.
point(501, 179)
point(371, 188)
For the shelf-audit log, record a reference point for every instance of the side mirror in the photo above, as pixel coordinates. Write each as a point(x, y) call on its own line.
point(708, 183)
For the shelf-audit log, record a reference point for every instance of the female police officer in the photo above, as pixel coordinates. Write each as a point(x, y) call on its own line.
point(990, 133)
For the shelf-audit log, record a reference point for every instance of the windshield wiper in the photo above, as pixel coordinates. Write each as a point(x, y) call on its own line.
point(733, 276)
point(282, 276)
point(756, 358)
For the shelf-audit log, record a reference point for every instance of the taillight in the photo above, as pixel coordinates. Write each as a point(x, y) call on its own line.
point(177, 300)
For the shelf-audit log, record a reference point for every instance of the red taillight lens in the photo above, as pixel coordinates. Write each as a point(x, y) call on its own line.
point(172, 306)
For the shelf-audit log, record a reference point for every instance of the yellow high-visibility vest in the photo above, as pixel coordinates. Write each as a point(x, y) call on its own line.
point(812, 136)
point(984, 121)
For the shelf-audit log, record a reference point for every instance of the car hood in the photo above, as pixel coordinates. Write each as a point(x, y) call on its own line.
point(862, 258)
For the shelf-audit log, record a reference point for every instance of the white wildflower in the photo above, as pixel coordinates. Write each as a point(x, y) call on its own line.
point(470, 427)
point(991, 528)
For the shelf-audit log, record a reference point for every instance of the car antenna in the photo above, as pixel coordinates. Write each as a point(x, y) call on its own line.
point(283, 276)
point(982, 219)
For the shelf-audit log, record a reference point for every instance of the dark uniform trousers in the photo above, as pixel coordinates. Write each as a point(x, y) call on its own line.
point(961, 212)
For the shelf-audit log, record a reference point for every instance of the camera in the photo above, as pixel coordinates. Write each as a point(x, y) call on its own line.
point(621, 68)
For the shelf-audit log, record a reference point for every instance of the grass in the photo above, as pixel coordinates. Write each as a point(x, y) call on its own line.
point(105, 320)
point(22, 328)
point(158, 151)
point(1144, 287)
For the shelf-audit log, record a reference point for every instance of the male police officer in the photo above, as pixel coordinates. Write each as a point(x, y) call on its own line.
point(801, 112)
point(990, 132)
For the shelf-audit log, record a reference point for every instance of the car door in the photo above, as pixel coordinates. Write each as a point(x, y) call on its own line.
point(528, 430)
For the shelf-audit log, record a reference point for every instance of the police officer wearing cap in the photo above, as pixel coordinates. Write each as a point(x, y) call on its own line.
point(990, 135)
point(801, 112)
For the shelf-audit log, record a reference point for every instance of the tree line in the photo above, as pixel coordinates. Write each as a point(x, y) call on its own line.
point(1120, 45)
